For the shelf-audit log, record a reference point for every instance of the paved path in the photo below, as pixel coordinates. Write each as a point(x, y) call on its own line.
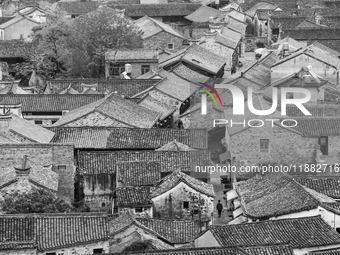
point(216, 182)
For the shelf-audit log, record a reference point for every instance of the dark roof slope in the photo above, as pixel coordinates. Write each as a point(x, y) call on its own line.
point(335, 251)
point(128, 138)
point(176, 231)
point(55, 231)
point(132, 196)
point(48, 103)
point(299, 232)
point(103, 162)
point(318, 126)
point(329, 187)
point(318, 110)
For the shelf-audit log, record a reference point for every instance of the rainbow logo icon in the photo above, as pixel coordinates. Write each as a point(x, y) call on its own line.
point(204, 97)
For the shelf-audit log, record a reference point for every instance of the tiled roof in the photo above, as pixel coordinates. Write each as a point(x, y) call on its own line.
point(318, 110)
point(106, 162)
point(175, 146)
point(203, 14)
point(156, 10)
point(229, 40)
point(329, 187)
point(332, 95)
point(132, 196)
point(76, 8)
point(29, 130)
point(153, 104)
point(138, 173)
point(15, 49)
point(151, 27)
point(128, 138)
point(4, 19)
point(273, 195)
point(183, 71)
point(314, 52)
point(172, 180)
point(202, 58)
point(176, 231)
point(333, 207)
point(258, 6)
point(318, 126)
point(132, 55)
point(172, 59)
point(55, 231)
point(124, 87)
point(326, 48)
point(313, 34)
point(335, 251)
point(254, 250)
point(299, 232)
point(117, 108)
point(48, 103)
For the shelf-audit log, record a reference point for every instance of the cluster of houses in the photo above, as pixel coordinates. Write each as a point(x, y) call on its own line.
point(129, 145)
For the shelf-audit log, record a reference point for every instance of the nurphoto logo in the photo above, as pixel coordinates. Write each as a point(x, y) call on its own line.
point(239, 99)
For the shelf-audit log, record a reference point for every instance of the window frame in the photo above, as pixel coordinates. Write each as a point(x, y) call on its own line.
point(145, 69)
point(116, 69)
point(264, 145)
point(173, 46)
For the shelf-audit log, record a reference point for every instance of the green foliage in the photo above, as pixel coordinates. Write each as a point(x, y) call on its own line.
point(36, 201)
point(76, 48)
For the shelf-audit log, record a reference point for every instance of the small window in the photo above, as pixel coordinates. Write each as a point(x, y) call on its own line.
point(170, 46)
point(62, 167)
point(103, 204)
point(185, 204)
point(38, 122)
point(51, 253)
point(53, 121)
point(73, 16)
point(97, 251)
point(338, 230)
point(264, 145)
point(139, 210)
point(145, 69)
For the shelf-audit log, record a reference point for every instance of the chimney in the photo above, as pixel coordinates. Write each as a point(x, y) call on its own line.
point(24, 169)
point(285, 49)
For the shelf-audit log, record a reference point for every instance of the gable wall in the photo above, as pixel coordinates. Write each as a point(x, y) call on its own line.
point(161, 40)
point(169, 204)
point(295, 64)
point(23, 27)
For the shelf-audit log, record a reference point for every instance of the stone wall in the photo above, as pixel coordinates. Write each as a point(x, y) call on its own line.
point(98, 191)
point(81, 249)
point(169, 205)
point(96, 119)
point(161, 40)
point(60, 156)
point(19, 252)
point(146, 211)
point(285, 147)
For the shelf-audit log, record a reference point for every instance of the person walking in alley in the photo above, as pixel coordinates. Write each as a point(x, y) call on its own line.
point(219, 208)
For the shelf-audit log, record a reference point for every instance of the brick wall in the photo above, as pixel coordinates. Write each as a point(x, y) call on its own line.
point(95, 120)
point(137, 68)
point(171, 206)
point(161, 40)
point(61, 156)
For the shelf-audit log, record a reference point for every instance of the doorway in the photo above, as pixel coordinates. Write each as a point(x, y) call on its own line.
point(323, 142)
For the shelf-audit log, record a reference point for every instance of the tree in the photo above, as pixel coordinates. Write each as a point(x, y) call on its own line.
point(76, 48)
point(36, 201)
point(140, 246)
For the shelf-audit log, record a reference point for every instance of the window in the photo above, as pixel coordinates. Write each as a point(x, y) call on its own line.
point(38, 122)
point(116, 69)
point(103, 204)
point(62, 167)
point(139, 210)
point(185, 204)
point(73, 16)
point(170, 46)
point(264, 145)
point(145, 69)
point(98, 251)
point(51, 253)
